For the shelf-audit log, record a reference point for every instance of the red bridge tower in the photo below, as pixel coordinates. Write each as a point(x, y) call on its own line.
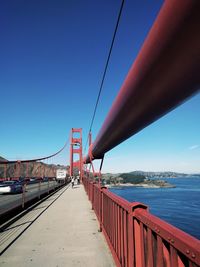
point(76, 148)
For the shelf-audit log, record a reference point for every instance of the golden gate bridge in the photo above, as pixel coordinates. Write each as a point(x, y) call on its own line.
point(164, 75)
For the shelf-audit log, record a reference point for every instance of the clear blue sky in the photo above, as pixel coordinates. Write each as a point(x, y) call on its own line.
point(52, 56)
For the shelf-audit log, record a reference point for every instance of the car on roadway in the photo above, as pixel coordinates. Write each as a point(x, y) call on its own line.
point(11, 187)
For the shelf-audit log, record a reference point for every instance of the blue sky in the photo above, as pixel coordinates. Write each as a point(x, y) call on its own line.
point(53, 55)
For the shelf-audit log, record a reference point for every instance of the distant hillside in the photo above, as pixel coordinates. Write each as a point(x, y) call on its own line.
point(132, 178)
point(123, 178)
point(165, 174)
point(146, 174)
point(32, 169)
point(136, 178)
point(2, 159)
point(143, 177)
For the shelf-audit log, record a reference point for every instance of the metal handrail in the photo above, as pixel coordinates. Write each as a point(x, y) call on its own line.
point(138, 238)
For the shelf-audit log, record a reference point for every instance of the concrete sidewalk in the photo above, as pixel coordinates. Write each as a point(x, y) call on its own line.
point(66, 234)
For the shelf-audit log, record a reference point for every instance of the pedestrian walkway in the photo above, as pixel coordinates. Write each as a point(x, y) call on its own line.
point(66, 234)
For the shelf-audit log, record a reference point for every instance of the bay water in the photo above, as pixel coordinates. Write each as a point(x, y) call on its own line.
point(179, 206)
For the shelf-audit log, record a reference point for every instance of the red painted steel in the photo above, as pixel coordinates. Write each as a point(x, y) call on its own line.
point(138, 238)
point(159, 254)
point(165, 73)
point(76, 142)
point(189, 246)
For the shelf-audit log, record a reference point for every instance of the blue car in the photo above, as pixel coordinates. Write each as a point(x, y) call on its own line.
point(11, 187)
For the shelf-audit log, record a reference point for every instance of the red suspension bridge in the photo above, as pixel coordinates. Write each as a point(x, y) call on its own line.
point(164, 75)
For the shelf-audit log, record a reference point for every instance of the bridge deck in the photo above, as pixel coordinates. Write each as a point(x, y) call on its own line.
point(66, 234)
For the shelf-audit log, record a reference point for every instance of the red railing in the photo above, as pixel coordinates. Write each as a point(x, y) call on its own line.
point(136, 237)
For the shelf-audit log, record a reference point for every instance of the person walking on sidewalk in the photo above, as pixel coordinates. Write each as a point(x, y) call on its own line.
point(72, 181)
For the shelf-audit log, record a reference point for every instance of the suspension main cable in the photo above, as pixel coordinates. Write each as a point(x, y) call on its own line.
point(36, 159)
point(104, 73)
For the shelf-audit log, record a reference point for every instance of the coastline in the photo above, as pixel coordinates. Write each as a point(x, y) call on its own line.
point(145, 185)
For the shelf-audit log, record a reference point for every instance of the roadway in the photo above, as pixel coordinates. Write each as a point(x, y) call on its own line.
point(11, 201)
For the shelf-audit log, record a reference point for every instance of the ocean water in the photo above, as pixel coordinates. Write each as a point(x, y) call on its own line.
point(178, 206)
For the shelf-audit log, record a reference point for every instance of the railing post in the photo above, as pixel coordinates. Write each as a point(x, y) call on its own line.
point(130, 240)
point(101, 207)
point(133, 233)
point(39, 187)
point(23, 195)
point(48, 185)
point(92, 195)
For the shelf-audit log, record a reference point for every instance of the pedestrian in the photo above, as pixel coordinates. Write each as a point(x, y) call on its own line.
point(72, 181)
